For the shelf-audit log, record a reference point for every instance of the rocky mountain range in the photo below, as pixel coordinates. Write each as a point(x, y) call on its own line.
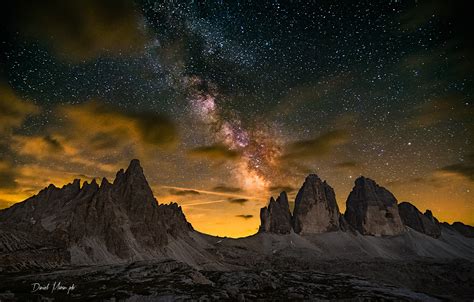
point(92, 224)
point(370, 210)
point(60, 231)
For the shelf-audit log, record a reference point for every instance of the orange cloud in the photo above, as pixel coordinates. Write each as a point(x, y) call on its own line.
point(93, 134)
point(90, 139)
point(106, 125)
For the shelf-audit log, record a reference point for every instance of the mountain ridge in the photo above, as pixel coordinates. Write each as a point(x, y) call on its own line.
point(371, 210)
point(121, 221)
point(96, 224)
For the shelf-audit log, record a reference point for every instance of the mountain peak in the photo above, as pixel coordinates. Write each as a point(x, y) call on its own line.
point(119, 176)
point(104, 182)
point(372, 209)
point(283, 196)
point(362, 180)
point(423, 223)
point(312, 178)
point(316, 209)
point(134, 166)
point(276, 218)
point(135, 172)
point(76, 183)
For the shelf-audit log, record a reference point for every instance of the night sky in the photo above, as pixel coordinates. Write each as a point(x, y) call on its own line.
point(227, 102)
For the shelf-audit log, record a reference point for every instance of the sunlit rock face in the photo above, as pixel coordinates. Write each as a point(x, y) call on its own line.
point(373, 210)
point(423, 223)
point(276, 217)
point(316, 209)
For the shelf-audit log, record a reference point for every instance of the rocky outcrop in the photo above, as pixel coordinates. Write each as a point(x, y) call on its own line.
point(316, 209)
point(423, 223)
point(463, 229)
point(276, 217)
point(372, 210)
point(175, 221)
point(110, 222)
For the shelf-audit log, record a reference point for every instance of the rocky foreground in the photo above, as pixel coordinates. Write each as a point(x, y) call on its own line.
point(113, 241)
point(168, 280)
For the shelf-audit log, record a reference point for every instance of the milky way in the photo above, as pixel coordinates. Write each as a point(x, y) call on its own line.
point(258, 147)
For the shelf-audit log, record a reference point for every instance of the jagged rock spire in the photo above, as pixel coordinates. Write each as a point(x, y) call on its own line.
point(316, 209)
point(276, 218)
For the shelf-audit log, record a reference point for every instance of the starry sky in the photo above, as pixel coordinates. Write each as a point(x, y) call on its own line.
point(227, 103)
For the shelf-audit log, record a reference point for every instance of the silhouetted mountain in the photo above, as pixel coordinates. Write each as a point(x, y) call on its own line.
point(370, 210)
point(276, 218)
point(110, 223)
point(463, 229)
point(423, 223)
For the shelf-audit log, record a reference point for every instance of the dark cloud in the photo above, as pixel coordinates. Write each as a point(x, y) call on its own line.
point(280, 188)
point(447, 108)
point(310, 93)
point(7, 180)
point(244, 216)
point(454, 12)
point(463, 169)
point(423, 12)
point(298, 168)
point(415, 180)
point(79, 30)
point(455, 15)
point(8, 175)
point(156, 129)
point(103, 141)
point(227, 189)
point(53, 143)
point(112, 125)
point(95, 135)
point(347, 164)
point(13, 110)
point(214, 152)
point(183, 192)
point(240, 201)
point(316, 147)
